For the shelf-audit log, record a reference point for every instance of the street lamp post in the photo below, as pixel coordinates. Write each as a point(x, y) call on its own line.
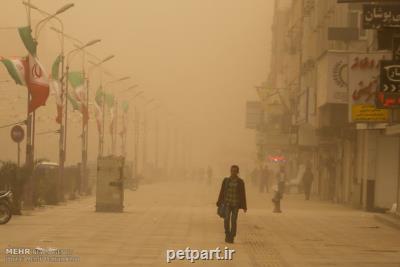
point(84, 127)
point(136, 133)
point(145, 134)
point(37, 32)
point(101, 134)
point(124, 116)
point(113, 139)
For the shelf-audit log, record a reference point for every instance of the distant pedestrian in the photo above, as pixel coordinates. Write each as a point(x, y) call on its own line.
point(232, 197)
point(308, 178)
point(280, 180)
point(264, 179)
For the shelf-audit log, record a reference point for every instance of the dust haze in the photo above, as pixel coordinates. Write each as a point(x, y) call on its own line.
point(199, 60)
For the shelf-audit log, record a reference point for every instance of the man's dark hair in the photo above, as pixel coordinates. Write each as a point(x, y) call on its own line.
point(235, 166)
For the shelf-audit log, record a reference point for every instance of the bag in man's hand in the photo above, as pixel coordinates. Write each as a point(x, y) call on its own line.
point(221, 207)
point(221, 210)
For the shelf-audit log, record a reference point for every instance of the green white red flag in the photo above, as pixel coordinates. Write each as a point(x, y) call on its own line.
point(125, 108)
point(99, 118)
point(36, 77)
point(55, 86)
point(28, 71)
point(77, 105)
point(17, 68)
point(99, 101)
point(77, 81)
point(38, 84)
point(110, 102)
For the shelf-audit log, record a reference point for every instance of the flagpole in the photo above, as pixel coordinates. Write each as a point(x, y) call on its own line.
point(103, 122)
point(90, 70)
point(62, 143)
point(85, 122)
point(65, 128)
point(28, 203)
point(66, 107)
point(136, 142)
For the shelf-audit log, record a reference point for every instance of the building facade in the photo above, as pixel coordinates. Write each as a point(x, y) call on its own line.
point(319, 104)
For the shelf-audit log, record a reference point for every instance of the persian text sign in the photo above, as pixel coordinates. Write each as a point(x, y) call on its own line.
point(389, 87)
point(381, 16)
point(363, 83)
point(369, 113)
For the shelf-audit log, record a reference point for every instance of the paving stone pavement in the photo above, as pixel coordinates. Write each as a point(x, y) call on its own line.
point(180, 214)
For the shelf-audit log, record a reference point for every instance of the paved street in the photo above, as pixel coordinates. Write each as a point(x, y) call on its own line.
point(177, 215)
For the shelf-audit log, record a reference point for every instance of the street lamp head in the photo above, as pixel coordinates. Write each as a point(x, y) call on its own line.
point(64, 8)
point(124, 78)
point(138, 94)
point(107, 58)
point(55, 29)
point(133, 86)
point(95, 41)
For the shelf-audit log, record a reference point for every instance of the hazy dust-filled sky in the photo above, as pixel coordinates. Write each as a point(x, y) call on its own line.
point(199, 59)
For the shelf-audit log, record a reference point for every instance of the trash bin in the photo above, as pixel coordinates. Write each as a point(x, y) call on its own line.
point(110, 187)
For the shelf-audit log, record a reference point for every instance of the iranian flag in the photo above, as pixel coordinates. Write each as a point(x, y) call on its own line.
point(110, 101)
point(28, 71)
point(99, 101)
point(38, 84)
point(99, 118)
point(36, 78)
point(77, 81)
point(125, 108)
point(17, 68)
point(77, 105)
point(55, 87)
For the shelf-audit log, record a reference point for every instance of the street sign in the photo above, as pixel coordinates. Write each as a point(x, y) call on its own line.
point(381, 16)
point(17, 134)
point(389, 87)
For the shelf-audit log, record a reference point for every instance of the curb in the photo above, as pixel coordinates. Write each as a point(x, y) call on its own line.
point(389, 220)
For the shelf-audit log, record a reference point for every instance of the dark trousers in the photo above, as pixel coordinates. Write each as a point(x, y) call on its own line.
point(230, 220)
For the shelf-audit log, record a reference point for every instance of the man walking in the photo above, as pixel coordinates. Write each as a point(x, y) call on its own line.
point(233, 197)
point(308, 178)
point(280, 180)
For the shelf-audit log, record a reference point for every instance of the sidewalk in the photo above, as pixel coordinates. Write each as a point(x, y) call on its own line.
point(176, 215)
point(389, 219)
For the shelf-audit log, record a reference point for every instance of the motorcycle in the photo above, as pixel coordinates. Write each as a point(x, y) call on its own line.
point(6, 198)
